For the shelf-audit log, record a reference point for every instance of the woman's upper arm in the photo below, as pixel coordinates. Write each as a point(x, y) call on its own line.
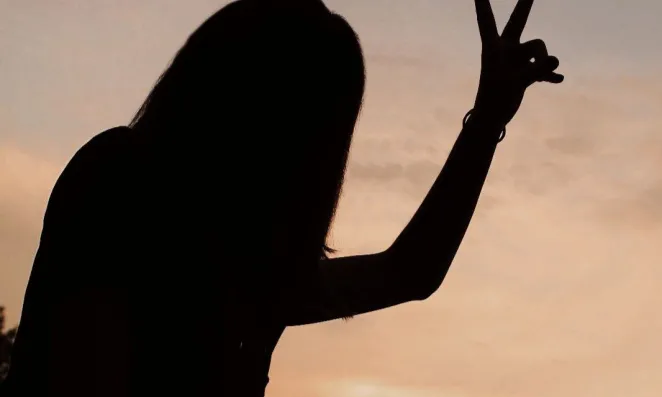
point(89, 315)
point(90, 344)
point(72, 328)
point(353, 285)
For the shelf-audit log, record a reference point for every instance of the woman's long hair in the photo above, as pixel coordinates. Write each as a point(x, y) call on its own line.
point(261, 102)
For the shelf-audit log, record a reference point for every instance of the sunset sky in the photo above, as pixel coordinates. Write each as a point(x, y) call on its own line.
point(553, 290)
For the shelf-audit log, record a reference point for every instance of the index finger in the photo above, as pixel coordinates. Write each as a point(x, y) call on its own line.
point(517, 22)
point(489, 33)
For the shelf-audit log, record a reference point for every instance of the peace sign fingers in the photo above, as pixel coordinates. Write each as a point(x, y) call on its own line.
point(517, 22)
point(507, 70)
point(487, 25)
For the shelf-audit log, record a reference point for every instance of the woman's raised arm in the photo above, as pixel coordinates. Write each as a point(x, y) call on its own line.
point(415, 265)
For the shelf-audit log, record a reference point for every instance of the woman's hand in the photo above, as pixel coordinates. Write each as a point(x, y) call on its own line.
point(508, 66)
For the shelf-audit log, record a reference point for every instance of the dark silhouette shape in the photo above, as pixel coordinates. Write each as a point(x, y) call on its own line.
point(4, 345)
point(6, 341)
point(2, 319)
point(11, 334)
point(216, 202)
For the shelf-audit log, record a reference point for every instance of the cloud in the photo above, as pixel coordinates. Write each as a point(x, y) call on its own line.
point(590, 137)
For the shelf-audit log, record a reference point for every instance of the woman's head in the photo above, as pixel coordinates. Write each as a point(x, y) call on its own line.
point(263, 99)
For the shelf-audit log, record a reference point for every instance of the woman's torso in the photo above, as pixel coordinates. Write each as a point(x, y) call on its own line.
point(162, 242)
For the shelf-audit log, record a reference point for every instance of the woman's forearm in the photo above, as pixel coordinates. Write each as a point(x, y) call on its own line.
point(425, 249)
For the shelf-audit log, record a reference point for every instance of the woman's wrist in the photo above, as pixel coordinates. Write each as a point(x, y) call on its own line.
point(485, 123)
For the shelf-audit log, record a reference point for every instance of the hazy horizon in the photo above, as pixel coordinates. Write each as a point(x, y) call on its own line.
point(554, 290)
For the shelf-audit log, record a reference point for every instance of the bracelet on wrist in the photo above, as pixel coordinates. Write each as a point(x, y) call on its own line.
point(502, 135)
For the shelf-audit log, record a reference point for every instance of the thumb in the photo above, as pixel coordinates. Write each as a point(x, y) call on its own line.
point(543, 70)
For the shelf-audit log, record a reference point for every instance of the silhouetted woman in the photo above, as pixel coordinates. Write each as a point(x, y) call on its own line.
point(214, 205)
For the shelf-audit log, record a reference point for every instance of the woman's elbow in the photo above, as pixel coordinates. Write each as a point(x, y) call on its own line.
point(419, 277)
point(425, 287)
point(421, 280)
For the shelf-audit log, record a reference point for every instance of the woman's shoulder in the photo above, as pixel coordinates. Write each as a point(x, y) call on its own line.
point(106, 145)
point(97, 160)
point(101, 150)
